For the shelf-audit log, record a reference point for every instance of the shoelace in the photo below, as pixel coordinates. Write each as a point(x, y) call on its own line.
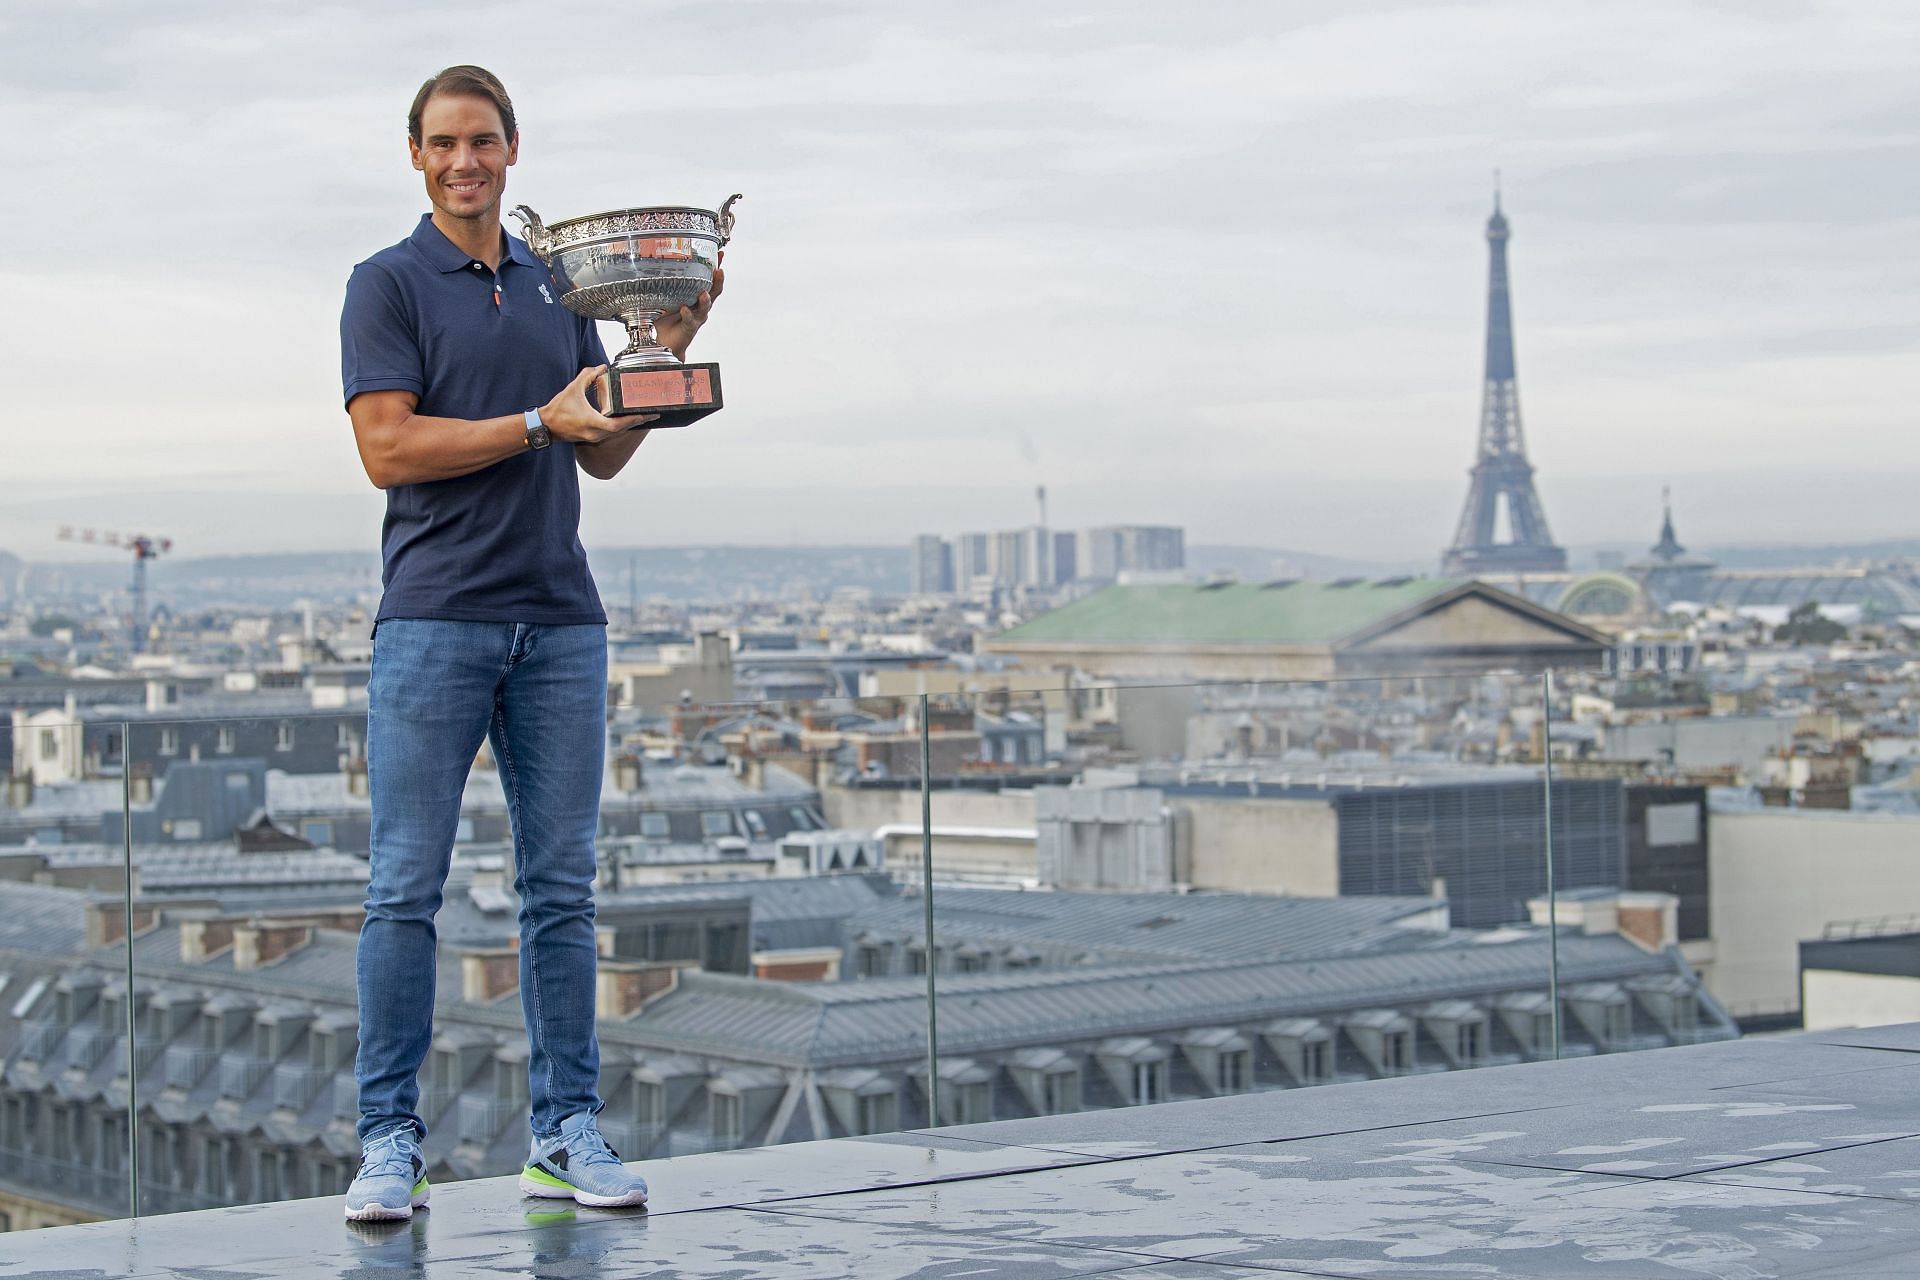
point(587, 1146)
point(391, 1152)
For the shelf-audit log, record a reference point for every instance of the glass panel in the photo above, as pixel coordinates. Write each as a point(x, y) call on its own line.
point(64, 998)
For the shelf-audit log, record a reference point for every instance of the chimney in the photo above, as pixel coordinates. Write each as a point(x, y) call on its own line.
point(202, 940)
point(259, 943)
point(487, 973)
point(627, 772)
point(140, 784)
point(356, 771)
point(106, 922)
point(625, 987)
point(19, 790)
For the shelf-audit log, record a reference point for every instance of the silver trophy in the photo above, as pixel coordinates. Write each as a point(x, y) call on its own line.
point(634, 265)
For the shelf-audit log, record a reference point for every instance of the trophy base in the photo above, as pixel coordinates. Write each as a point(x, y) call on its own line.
point(677, 394)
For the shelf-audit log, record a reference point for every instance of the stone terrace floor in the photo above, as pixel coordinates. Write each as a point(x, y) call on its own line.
point(1744, 1160)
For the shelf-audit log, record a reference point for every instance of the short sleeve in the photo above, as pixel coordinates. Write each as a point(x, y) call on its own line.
point(379, 347)
point(592, 350)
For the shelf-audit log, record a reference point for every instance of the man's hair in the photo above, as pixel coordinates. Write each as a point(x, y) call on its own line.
point(477, 82)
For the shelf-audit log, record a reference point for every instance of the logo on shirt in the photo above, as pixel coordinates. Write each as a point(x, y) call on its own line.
point(546, 295)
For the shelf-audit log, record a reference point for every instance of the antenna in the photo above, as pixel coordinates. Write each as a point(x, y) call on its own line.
point(1041, 495)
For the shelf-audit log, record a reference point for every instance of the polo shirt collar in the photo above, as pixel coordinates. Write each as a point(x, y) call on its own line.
point(445, 255)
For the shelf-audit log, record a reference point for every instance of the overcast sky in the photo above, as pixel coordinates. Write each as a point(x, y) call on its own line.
point(1208, 263)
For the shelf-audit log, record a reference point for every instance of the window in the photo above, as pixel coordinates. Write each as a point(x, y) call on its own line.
point(169, 742)
point(1149, 1082)
point(1619, 1024)
point(1673, 824)
point(344, 737)
point(1686, 1013)
point(186, 828)
point(223, 743)
point(972, 1103)
point(1060, 1092)
point(916, 959)
point(653, 826)
point(1396, 1051)
point(1542, 1032)
point(879, 1113)
point(237, 781)
point(802, 820)
point(649, 1104)
point(1236, 1071)
point(726, 1119)
point(1316, 1061)
point(756, 824)
point(319, 833)
point(49, 745)
point(1471, 1041)
point(871, 962)
point(715, 823)
point(283, 736)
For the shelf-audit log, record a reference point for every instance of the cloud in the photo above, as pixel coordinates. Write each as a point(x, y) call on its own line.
point(1215, 263)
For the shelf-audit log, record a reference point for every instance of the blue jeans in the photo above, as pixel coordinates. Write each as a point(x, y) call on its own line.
point(538, 694)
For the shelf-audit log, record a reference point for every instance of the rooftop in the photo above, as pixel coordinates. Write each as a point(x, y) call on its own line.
point(1304, 613)
point(1756, 1159)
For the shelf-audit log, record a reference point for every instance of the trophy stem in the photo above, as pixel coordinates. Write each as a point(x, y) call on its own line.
point(643, 347)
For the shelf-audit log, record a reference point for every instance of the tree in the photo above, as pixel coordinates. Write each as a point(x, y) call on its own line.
point(1806, 625)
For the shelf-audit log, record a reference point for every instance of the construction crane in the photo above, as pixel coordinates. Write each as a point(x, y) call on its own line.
point(144, 548)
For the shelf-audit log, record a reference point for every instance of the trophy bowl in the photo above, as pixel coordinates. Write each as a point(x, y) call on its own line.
point(632, 265)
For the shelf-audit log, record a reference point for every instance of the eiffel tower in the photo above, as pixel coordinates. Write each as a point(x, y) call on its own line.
point(1501, 470)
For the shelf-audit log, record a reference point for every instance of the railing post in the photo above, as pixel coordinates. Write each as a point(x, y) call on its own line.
point(1553, 900)
point(926, 893)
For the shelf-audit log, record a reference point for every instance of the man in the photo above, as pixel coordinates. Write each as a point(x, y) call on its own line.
point(467, 390)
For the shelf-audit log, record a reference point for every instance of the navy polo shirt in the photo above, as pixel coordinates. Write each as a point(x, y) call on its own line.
point(503, 543)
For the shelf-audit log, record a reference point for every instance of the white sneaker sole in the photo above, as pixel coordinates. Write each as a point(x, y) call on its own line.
point(380, 1212)
point(531, 1188)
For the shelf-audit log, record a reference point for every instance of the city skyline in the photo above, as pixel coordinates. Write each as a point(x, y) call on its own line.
point(1709, 260)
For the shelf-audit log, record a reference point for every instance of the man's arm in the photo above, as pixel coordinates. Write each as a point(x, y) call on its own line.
point(399, 446)
point(606, 460)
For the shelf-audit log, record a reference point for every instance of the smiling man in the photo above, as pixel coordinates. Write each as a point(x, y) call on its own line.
point(467, 388)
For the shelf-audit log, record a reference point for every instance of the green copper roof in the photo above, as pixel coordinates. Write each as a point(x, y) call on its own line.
point(1299, 613)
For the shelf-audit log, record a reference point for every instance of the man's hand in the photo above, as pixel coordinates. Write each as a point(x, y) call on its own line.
point(571, 416)
point(676, 331)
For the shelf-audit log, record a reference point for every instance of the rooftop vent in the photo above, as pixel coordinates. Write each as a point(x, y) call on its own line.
point(1401, 581)
point(1346, 582)
point(1278, 584)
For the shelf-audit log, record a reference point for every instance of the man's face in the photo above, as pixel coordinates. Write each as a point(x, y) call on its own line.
point(464, 152)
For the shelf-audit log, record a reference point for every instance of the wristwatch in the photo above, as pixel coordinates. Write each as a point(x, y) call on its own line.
point(538, 437)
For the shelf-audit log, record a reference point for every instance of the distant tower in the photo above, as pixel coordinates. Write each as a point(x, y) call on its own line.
point(1669, 550)
point(1501, 470)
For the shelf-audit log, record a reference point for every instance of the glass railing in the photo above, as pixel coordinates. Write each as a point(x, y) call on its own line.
point(965, 896)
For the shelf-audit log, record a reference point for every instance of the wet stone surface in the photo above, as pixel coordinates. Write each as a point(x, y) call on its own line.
point(1794, 1157)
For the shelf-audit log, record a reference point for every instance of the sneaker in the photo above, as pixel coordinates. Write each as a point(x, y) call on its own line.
point(578, 1164)
point(392, 1181)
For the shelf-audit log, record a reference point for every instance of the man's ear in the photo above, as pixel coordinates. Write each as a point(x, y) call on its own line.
point(513, 148)
point(413, 152)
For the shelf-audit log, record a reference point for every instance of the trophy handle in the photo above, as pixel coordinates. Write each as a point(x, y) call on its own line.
point(724, 219)
point(536, 233)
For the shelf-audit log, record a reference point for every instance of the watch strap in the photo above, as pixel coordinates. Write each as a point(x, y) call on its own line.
point(538, 436)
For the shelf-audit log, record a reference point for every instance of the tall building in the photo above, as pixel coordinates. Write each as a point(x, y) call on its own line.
point(930, 572)
point(1502, 476)
point(1066, 565)
point(1109, 551)
point(972, 559)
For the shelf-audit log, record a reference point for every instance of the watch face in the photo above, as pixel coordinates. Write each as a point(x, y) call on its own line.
point(539, 437)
